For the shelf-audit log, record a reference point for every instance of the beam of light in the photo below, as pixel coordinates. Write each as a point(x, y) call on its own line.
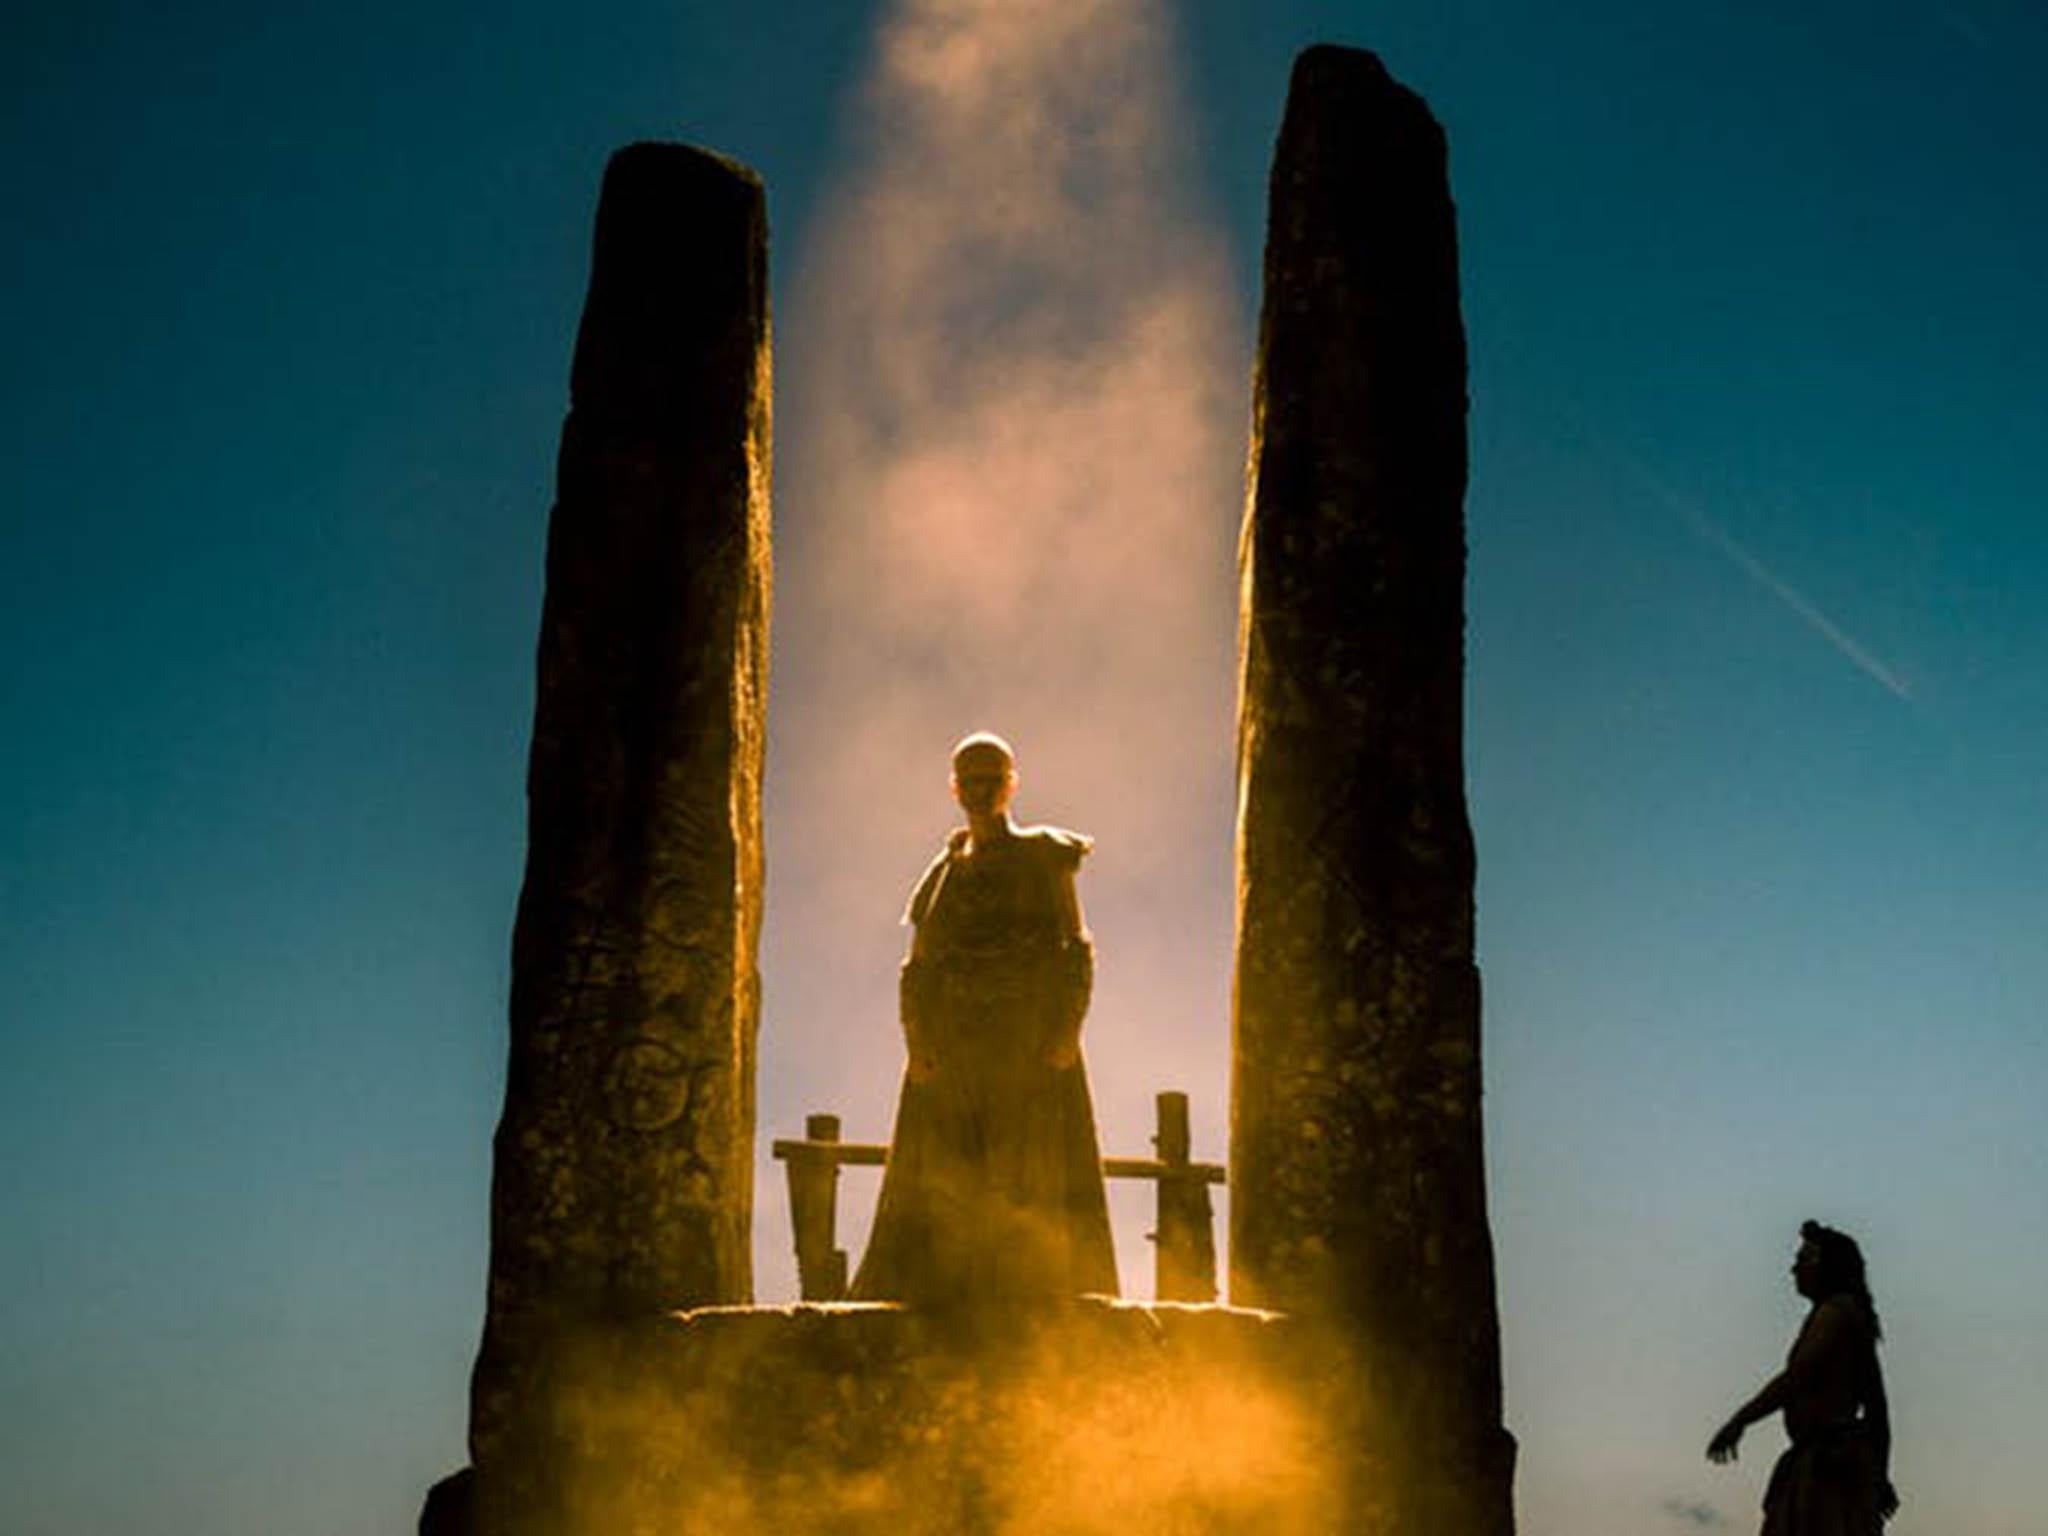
point(1011, 469)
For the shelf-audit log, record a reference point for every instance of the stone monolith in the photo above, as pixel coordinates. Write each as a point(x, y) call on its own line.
point(622, 1183)
point(1356, 1168)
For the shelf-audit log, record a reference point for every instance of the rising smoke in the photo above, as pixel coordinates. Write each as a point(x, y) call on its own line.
point(860, 1422)
point(1011, 450)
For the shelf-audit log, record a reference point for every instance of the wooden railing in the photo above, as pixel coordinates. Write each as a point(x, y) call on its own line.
point(1183, 1235)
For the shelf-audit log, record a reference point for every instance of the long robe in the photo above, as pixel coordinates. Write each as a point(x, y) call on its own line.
point(993, 1188)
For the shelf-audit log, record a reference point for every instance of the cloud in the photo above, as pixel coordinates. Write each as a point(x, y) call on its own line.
point(1692, 1512)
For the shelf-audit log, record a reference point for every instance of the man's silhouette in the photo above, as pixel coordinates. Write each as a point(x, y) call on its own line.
point(994, 1182)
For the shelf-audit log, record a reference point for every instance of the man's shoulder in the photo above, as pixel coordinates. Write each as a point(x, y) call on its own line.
point(1057, 845)
point(927, 886)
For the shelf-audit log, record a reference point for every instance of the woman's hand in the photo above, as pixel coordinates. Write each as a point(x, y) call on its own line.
point(1887, 1500)
point(1726, 1443)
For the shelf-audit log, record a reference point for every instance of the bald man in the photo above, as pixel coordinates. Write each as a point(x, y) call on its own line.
point(994, 1183)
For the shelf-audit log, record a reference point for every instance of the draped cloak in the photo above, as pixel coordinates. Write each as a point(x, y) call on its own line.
point(993, 1187)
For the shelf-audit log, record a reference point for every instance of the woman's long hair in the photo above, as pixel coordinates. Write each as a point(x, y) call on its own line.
point(1841, 1268)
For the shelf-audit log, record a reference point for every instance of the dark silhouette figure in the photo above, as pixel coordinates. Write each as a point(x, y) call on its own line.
point(451, 1506)
point(994, 1182)
point(1835, 1480)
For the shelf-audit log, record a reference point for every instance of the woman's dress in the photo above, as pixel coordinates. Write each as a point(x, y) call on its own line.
point(1829, 1482)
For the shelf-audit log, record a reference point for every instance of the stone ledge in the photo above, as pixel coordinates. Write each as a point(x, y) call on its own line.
point(1081, 1416)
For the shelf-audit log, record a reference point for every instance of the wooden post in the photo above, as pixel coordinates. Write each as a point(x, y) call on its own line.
point(1185, 1260)
point(813, 1208)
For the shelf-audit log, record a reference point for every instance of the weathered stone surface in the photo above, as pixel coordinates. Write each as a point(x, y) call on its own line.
point(1080, 1417)
point(622, 1183)
point(1357, 1172)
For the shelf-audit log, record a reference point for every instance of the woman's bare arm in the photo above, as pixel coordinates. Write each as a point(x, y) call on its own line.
point(1768, 1400)
point(1825, 1332)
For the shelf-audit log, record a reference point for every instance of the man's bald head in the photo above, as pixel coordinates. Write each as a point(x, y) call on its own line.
point(984, 774)
point(982, 751)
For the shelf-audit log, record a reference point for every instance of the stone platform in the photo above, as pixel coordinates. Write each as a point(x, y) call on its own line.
point(1078, 1417)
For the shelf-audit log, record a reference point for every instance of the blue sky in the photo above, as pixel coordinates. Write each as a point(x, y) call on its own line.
point(1760, 362)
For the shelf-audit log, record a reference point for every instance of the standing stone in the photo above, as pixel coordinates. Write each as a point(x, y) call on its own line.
point(622, 1184)
point(1357, 1173)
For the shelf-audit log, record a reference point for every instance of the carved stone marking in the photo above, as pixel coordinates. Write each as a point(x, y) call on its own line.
point(646, 1085)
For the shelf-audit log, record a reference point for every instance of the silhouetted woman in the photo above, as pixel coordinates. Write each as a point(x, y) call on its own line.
point(1835, 1480)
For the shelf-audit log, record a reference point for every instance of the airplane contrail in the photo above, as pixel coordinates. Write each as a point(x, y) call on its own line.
point(1843, 642)
point(1966, 27)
